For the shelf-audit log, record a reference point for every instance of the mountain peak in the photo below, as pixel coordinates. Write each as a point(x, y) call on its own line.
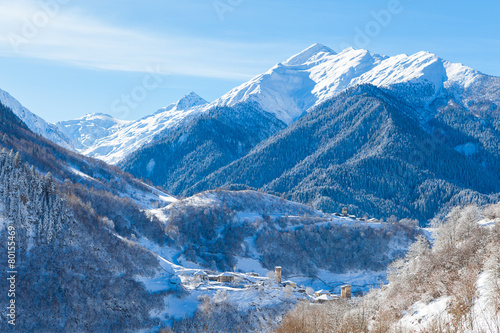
point(94, 115)
point(192, 99)
point(313, 52)
point(188, 101)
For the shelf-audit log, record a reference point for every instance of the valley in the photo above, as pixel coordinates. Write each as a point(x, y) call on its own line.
point(331, 174)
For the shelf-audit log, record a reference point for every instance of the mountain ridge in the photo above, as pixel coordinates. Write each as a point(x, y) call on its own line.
point(365, 149)
point(112, 143)
point(34, 122)
point(291, 88)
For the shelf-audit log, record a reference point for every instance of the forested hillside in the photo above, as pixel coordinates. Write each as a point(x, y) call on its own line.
point(70, 221)
point(91, 234)
point(361, 150)
point(451, 285)
point(188, 154)
point(74, 272)
point(111, 192)
point(218, 228)
point(409, 135)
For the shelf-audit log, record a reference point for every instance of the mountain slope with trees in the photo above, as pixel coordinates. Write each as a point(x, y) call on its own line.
point(360, 160)
point(186, 155)
point(89, 246)
point(364, 152)
point(77, 270)
point(451, 285)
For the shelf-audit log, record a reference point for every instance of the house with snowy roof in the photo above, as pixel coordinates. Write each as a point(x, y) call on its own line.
point(325, 298)
point(201, 275)
point(322, 292)
point(226, 277)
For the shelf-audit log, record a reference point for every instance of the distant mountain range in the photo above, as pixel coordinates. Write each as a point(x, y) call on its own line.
point(293, 87)
point(248, 138)
point(109, 139)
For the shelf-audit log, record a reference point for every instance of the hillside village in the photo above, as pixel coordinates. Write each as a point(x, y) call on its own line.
point(236, 281)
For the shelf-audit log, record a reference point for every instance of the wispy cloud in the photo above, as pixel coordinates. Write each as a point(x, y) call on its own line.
point(63, 33)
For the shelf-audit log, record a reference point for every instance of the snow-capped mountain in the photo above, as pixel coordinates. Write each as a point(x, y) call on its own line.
point(34, 122)
point(190, 100)
point(350, 117)
point(140, 241)
point(318, 73)
point(102, 136)
point(295, 86)
point(85, 131)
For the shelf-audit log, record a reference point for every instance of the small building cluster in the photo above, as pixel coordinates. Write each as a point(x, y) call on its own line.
point(323, 296)
point(320, 296)
point(362, 219)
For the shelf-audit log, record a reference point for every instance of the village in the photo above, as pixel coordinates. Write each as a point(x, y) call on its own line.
point(238, 281)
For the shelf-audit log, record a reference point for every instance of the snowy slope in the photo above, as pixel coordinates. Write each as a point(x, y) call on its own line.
point(34, 122)
point(484, 303)
point(318, 73)
point(110, 140)
point(190, 100)
point(253, 288)
point(85, 131)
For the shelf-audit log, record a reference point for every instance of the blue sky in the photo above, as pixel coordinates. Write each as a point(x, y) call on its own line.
point(65, 58)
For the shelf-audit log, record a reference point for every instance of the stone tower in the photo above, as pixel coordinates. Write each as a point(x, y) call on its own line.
point(345, 292)
point(277, 274)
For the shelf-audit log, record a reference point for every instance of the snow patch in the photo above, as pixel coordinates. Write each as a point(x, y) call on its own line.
point(151, 166)
point(421, 315)
point(467, 149)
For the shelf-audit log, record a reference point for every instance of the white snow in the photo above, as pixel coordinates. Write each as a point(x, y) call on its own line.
point(421, 314)
point(111, 140)
point(307, 79)
point(467, 149)
point(463, 75)
point(290, 89)
point(151, 166)
point(153, 200)
point(34, 122)
point(86, 130)
point(486, 320)
point(79, 173)
point(250, 265)
point(126, 139)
